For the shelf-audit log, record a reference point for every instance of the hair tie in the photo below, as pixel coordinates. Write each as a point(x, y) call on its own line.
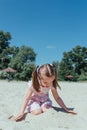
point(38, 68)
point(51, 65)
point(54, 66)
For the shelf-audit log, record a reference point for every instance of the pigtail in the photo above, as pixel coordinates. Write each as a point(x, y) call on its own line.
point(35, 82)
point(55, 82)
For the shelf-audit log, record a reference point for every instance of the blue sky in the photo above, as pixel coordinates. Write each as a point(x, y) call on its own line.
point(50, 27)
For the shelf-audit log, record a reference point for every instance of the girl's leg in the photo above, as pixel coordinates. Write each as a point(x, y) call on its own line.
point(46, 105)
point(36, 112)
point(34, 108)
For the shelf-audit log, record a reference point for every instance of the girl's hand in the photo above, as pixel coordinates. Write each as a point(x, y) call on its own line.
point(72, 112)
point(19, 117)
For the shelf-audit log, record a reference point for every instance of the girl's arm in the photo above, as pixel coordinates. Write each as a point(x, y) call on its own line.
point(24, 104)
point(60, 101)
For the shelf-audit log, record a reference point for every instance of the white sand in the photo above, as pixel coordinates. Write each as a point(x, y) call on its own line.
point(73, 94)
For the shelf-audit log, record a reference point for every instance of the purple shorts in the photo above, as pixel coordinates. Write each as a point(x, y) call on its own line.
point(38, 102)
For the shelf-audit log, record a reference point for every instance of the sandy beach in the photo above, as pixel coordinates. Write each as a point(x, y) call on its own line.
point(74, 95)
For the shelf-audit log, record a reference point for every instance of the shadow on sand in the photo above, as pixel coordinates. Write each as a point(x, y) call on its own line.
point(58, 109)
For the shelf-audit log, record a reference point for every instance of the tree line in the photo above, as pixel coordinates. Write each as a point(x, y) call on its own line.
point(23, 59)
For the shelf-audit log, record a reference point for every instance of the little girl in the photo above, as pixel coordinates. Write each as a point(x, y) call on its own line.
point(37, 101)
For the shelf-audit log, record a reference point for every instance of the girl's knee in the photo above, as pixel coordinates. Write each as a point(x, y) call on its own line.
point(36, 112)
point(45, 108)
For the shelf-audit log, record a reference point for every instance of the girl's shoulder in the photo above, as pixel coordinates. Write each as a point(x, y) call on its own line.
point(30, 86)
point(52, 87)
point(29, 82)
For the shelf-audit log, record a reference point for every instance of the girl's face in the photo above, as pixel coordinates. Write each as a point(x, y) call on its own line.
point(46, 81)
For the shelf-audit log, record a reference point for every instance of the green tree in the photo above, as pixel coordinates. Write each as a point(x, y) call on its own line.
point(23, 61)
point(5, 54)
point(74, 62)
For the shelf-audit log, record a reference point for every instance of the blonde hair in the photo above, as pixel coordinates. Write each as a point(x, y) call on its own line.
point(49, 71)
